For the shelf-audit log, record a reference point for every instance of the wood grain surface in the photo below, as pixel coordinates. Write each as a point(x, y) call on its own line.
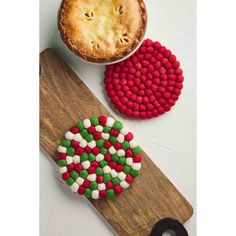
point(65, 99)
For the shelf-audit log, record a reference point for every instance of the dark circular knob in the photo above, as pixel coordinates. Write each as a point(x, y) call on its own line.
point(168, 224)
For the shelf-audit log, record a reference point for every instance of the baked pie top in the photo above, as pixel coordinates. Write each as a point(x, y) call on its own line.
point(102, 30)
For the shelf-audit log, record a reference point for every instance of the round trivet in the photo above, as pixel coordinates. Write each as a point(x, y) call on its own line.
point(147, 84)
point(98, 158)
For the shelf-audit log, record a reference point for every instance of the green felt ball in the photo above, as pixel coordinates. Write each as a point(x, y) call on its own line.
point(125, 145)
point(117, 125)
point(122, 160)
point(91, 157)
point(136, 150)
point(83, 174)
point(70, 181)
point(127, 169)
point(113, 140)
point(88, 192)
point(84, 133)
point(65, 142)
point(134, 173)
point(115, 157)
point(74, 175)
point(102, 163)
point(115, 181)
point(107, 177)
point(89, 138)
point(106, 129)
point(61, 163)
point(83, 157)
point(99, 171)
point(94, 121)
point(110, 193)
point(103, 151)
point(80, 125)
point(94, 185)
point(99, 143)
point(70, 151)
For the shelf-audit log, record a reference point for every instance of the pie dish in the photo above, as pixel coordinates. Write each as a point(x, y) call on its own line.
point(102, 31)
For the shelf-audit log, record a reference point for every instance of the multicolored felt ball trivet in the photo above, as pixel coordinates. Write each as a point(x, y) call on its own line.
point(98, 158)
point(147, 84)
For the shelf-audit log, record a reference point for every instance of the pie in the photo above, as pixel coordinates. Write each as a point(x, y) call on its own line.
point(102, 30)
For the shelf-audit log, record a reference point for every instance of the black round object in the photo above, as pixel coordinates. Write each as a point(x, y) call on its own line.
point(168, 224)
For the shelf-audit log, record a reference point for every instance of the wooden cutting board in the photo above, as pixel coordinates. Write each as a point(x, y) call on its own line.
point(65, 99)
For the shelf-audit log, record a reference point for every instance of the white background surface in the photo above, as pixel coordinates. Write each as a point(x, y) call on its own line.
point(168, 140)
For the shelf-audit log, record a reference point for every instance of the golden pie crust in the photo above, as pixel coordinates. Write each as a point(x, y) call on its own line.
point(102, 30)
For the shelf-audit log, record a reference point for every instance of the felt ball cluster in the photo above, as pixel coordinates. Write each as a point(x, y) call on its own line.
point(147, 84)
point(98, 158)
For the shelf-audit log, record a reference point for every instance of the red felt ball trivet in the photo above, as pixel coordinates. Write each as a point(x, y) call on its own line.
point(147, 84)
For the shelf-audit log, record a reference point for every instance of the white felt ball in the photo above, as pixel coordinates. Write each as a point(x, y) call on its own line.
point(106, 169)
point(92, 177)
point(74, 187)
point(121, 153)
point(92, 144)
point(124, 131)
point(61, 149)
point(132, 144)
point(99, 157)
point(77, 137)
point(110, 121)
point(86, 164)
point(101, 186)
point(121, 176)
point(129, 161)
point(136, 166)
point(83, 143)
point(69, 135)
point(112, 150)
point(86, 123)
point(124, 184)
point(99, 128)
point(95, 194)
point(113, 173)
point(76, 159)
point(69, 160)
point(62, 169)
point(105, 136)
point(80, 181)
point(120, 138)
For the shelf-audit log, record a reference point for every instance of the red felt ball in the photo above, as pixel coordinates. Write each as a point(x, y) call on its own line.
point(95, 164)
point(129, 136)
point(71, 167)
point(109, 185)
point(79, 151)
point(74, 144)
point(97, 135)
point(78, 167)
point(129, 179)
point(107, 156)
point(118, 189)
point(128, 153)
point(117, 146)
point(95, 150)
point(61, 155)
point(65, 176)
point(81, 190)
point(137, 158)
point(91, 170)
point(102, 194)
point(91, 129)
point(74, 130)
point(86, 183)
point(112, 164)
point(102, 120)
point(107, 144)
point(99, 179)
point(119, 168)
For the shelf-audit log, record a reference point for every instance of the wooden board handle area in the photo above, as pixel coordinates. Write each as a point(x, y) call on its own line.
point(65, 99)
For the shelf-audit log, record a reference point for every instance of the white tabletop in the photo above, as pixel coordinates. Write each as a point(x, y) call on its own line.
point(169, 140)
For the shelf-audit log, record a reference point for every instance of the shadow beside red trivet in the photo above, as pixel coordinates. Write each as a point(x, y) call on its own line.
point(147, 84)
